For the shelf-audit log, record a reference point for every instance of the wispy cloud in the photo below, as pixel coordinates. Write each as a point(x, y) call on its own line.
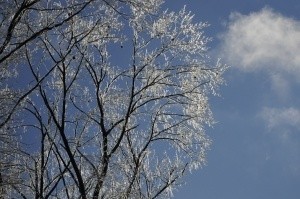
point(283, 126)
point(262, 40)
point(281, 117)
point(268, 42)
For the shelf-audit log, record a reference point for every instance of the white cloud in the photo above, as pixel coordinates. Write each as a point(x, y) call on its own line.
point(262, 40)
point(281, 117)
point(284, 123)
point(268, 42)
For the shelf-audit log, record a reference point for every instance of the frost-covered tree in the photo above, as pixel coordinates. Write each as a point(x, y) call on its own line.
point(101, 99)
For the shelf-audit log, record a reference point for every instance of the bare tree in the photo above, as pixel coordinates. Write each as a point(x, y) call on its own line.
point(110, 98)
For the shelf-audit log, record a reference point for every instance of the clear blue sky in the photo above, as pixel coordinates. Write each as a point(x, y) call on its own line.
point(256, 142)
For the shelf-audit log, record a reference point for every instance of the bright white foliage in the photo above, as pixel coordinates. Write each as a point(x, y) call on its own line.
point(120, 92)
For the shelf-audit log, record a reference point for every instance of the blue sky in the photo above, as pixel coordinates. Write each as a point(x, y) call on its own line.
point(256, 142)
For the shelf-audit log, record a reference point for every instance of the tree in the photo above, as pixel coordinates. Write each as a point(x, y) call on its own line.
point(105, 99)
